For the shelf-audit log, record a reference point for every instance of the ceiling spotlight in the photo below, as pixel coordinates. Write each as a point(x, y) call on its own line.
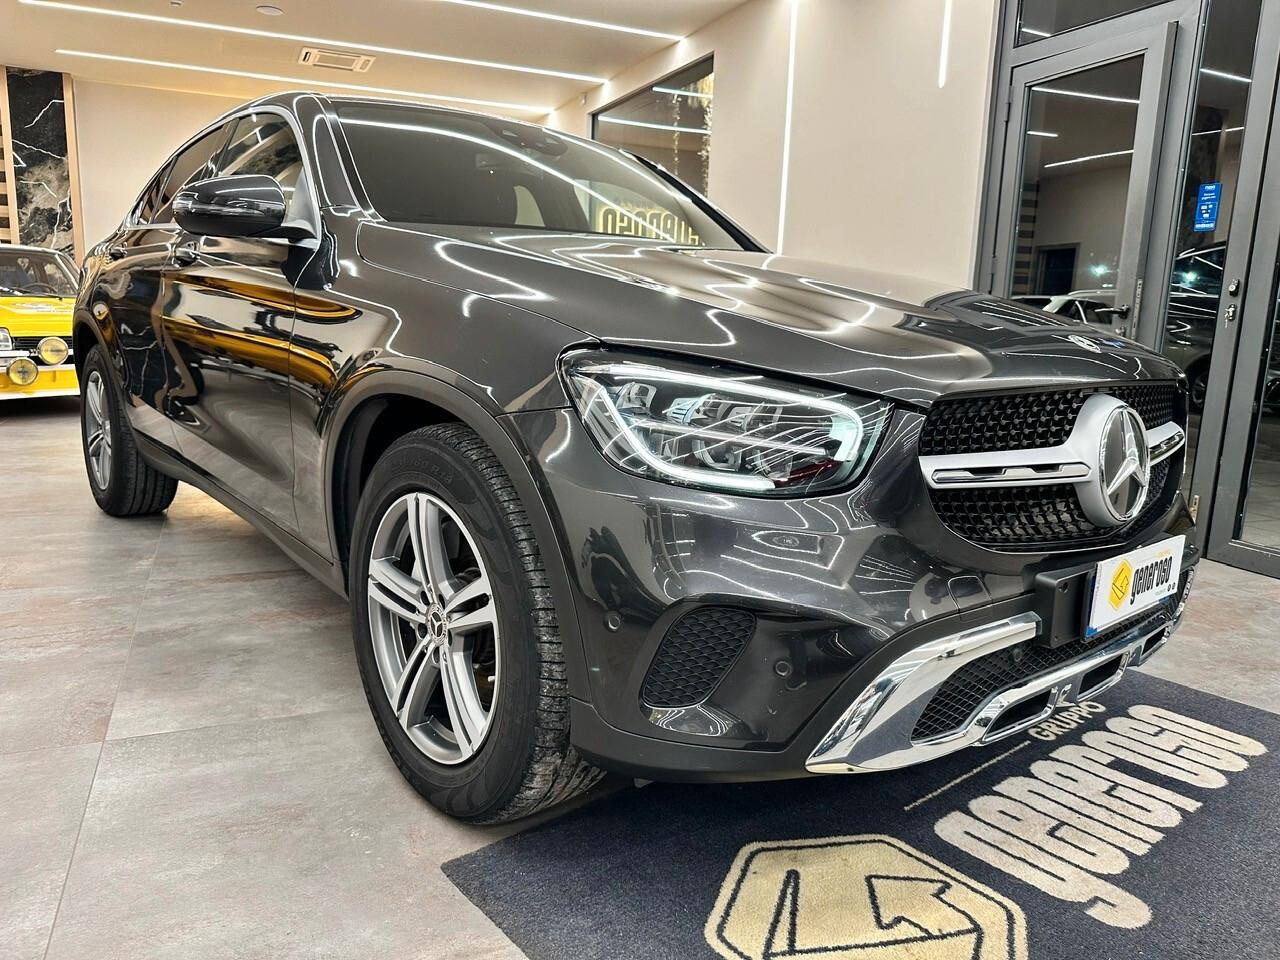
point(269, 10)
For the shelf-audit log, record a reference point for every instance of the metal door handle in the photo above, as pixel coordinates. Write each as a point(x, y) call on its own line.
point(116, 251)
point(186, 254)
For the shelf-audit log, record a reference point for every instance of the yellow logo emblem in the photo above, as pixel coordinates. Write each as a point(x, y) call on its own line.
point(1121, 581)
point(858, 898)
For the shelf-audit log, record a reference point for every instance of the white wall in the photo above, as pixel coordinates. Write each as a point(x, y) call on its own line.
point(123, 134)
point(885, 166)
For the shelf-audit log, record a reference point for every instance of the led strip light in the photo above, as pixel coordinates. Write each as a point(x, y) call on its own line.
point(302, 38)
point(305, 84)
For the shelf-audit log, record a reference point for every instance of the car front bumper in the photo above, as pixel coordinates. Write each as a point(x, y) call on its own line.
point(59, 381)
point(861, 608)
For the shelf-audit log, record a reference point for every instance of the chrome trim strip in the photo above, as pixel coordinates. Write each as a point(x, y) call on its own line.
point(1071, 462)
point(874, 733)
point(1164, 441)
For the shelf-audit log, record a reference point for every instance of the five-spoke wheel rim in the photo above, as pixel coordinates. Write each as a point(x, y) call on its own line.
point(97, 433)
point(434, 624)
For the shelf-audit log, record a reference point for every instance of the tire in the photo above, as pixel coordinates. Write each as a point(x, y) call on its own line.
point(123, 484)
point(514, 757)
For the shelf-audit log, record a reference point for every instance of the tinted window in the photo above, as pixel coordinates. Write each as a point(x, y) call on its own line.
point(192, 164)
point(263, 144)
point(420, 165)
point(32, 273)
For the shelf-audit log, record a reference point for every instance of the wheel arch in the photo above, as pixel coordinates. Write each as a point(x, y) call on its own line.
point(387, 404)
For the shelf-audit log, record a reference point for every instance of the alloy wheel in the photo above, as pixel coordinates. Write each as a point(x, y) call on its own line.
point(433, 620)
point(98, 429)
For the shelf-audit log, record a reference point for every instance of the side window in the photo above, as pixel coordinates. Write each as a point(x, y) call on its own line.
point(192, 164)
point(151, 199)
point(263, 143)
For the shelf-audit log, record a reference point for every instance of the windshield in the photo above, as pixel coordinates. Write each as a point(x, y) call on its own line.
point(420, 165)
point(35, 273)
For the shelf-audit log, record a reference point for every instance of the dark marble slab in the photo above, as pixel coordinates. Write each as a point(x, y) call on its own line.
point(38, 132)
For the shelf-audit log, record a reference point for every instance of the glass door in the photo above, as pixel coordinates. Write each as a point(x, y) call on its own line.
point(1081, 147)
point(1242, 409)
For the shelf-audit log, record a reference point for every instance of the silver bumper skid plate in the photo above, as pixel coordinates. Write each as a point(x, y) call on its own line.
point(875, 733)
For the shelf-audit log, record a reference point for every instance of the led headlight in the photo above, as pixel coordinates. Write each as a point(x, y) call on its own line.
point(53, 350)
point(23, 372)
point(6, 341)
point(724, 430)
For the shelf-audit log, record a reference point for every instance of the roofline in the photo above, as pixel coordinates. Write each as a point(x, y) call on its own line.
point(32, 248)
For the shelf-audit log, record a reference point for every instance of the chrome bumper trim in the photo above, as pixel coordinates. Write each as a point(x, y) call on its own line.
point(875, 732)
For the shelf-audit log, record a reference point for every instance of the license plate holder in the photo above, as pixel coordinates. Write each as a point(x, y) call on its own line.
point(1132, 582)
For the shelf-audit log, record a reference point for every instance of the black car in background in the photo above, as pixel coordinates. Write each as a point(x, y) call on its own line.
point(610, 485)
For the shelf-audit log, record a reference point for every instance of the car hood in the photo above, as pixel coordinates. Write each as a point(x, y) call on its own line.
point(905, 338)
point(36, 316)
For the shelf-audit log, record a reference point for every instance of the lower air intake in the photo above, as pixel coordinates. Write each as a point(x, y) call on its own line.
point(695, 654)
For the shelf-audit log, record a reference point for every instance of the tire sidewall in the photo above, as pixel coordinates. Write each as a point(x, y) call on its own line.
point(96, 364)
point(487, 780)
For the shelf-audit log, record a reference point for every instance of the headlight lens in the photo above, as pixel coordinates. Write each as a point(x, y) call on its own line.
point(723, 430)
point(53, 350)
point(6, 341)
point(23, 372)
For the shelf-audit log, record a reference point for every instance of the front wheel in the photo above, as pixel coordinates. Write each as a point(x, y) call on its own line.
point(123, 484)
point(456, 635)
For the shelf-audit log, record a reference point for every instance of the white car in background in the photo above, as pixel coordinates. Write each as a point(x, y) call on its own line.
point(1086, 306)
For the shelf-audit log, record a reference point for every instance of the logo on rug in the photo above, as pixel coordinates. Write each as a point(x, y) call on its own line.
point(858, 898)
point(1074, 823)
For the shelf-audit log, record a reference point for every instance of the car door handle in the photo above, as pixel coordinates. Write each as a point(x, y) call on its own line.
point(186, 254)
point(116, 251)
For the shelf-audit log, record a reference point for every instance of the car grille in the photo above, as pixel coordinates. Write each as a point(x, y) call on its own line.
point(31, 344)
point(1048, 517)
point(970, 687)
point(695, 653)
point(1026, 421)
point(1042, 518)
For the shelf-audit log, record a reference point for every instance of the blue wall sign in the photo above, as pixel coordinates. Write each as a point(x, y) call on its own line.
point(1207, 201)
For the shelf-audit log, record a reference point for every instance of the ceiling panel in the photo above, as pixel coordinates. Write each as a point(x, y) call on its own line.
point(30, 36)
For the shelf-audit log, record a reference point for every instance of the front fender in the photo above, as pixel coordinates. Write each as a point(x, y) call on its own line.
point(373, 383)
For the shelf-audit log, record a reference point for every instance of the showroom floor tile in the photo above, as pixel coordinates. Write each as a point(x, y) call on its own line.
point(187, 765)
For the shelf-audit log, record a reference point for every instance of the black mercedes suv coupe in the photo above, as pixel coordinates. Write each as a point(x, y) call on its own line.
point(609, 485)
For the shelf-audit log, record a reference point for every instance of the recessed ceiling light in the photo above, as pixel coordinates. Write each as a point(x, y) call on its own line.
point(310, 41)
point(306, 84)
point(269, 10)
point(561, 18)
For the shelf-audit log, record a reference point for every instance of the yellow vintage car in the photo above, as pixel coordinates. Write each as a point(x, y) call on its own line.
point(37, 295)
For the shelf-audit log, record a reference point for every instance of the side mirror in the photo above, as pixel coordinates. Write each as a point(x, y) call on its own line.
point(248, 205)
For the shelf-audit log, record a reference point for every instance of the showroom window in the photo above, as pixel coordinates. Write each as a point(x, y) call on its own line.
point(668, 122)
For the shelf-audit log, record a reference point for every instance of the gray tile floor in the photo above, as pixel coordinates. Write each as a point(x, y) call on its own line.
point(187, 764)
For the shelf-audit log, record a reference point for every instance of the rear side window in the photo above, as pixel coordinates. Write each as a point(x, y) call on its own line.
point(264, 144)
point(191, 165)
